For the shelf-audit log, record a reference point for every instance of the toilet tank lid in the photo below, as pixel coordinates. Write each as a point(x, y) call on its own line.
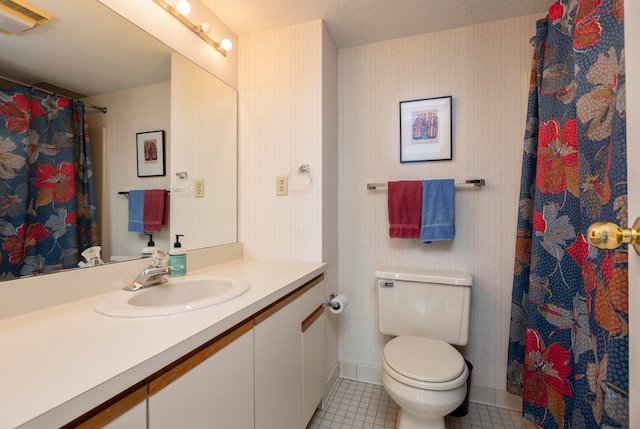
point(459, 278)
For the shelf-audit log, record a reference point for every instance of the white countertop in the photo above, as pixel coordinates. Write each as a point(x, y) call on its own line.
point(60, 362)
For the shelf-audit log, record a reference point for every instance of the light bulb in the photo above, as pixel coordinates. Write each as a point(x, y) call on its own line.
point(226, 44)
point(205, 27)
point(183, 7)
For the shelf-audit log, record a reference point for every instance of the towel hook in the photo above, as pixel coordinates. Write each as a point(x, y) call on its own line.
point(295, 173)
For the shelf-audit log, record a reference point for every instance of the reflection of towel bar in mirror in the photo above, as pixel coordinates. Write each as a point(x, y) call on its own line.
point(166, 191)
point(475, 182)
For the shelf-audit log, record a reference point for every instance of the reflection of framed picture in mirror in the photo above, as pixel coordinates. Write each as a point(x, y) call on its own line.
point(150, 151)
point(425, 129)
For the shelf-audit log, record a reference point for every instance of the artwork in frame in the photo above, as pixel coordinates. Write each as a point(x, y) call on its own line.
point(150, 153)
point(426, 130)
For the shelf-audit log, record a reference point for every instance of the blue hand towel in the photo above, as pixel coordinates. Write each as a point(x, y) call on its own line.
point(136, 211)
point(437, 211)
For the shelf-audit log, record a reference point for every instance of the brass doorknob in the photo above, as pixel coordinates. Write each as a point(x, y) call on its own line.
point(607, 235)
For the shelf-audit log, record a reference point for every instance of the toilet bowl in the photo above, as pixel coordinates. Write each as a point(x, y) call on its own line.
point(426, 311)
point(427, 379)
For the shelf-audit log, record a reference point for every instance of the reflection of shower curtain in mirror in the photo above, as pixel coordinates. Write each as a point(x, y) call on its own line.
point(47, 208)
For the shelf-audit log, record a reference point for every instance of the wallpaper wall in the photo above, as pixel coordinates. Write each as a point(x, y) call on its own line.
point(485, 68)
point(288, 116)
point(130, 111)
point(203, 143)
point(280, 103)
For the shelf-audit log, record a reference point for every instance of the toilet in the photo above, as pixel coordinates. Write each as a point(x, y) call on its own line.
point(427, 312)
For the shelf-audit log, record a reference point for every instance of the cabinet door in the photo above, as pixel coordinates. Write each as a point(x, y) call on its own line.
point(278, 367)
point(135, 417)
point(216, 392)
point(313, 353)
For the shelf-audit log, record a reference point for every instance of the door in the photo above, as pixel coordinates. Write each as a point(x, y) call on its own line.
point(632, 48)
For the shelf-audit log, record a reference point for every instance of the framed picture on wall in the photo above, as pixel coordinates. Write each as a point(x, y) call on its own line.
point(150, 153)
point(426, 130)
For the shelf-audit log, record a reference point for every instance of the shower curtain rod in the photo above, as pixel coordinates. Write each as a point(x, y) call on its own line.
point(24, 85)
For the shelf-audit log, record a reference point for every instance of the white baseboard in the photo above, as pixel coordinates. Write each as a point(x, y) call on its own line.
point(359, 372)
point(488, 395)
point(495, 396)
point(331, 383)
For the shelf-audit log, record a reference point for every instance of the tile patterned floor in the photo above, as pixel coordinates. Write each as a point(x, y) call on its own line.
point(357, 405)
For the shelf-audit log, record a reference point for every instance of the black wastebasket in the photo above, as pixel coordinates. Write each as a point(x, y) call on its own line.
point(463, 409)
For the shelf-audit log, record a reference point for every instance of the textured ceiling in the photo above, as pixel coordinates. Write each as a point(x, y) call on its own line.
point(358, 22)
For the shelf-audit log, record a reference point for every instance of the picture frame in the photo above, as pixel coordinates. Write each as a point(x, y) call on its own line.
point(426, 130)
point(150, 153)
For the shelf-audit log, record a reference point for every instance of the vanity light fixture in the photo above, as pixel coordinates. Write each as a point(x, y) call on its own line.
point(226, 44)
point(183, 8)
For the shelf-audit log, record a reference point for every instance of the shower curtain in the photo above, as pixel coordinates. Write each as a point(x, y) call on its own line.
point(47, 208)
point(568, 343)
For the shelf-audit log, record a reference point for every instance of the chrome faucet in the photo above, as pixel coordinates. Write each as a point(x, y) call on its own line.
point(150, 276)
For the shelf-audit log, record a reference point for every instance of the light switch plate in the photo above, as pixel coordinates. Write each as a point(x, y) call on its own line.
point(282, 185)
point(199, 188)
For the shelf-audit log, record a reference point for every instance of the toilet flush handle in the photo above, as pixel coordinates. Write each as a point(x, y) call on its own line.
point(386, 283)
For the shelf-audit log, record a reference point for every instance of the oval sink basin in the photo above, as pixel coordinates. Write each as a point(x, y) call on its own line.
point(178, 295)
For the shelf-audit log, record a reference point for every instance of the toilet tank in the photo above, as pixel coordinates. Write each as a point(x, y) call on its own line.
point(422, 302)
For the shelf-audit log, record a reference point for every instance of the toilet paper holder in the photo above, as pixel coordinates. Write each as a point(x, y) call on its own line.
point(331, 303)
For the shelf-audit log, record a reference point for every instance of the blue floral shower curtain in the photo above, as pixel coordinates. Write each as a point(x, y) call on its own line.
point(568, 345)
point(47, 208)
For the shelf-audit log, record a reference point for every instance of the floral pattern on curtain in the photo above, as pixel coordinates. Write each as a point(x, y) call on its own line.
point(47, 208)
point(568, 344)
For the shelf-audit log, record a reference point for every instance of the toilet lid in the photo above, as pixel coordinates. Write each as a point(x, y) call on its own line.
point(424, 359)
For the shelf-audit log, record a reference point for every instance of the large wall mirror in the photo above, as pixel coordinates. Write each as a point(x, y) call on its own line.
point(89, 52)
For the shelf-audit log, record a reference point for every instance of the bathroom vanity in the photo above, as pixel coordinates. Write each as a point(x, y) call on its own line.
point(256, 361)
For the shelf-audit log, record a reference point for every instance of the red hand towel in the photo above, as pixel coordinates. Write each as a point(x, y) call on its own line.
point(153, 210)
point(405, 208)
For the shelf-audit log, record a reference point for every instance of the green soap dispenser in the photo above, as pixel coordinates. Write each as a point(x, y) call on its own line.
point(151, 246)
point(178, 258)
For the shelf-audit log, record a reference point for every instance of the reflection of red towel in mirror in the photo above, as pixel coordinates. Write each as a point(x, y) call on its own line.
point(154, 209)
point(405, 208)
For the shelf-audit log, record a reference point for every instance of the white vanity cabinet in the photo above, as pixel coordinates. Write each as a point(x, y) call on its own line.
point(210, 388)
point(136, 417)
point(264, 373)
point(313, 353)
point(284, 356)
point(278, 366)
point(313, 320)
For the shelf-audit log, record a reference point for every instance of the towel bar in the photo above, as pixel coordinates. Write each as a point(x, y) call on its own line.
point(475, 182)
point(166, 191)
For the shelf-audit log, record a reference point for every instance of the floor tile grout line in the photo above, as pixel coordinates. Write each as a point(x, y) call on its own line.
point(374, 409)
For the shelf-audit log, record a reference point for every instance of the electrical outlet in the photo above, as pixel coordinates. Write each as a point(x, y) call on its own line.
point(199, 188)
point(282, 186)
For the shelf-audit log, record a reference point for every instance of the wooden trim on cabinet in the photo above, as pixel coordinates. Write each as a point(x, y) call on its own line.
point(267, 312)
point(169, 374)
point(110, 410)
point(311, 283)
point(306, 323)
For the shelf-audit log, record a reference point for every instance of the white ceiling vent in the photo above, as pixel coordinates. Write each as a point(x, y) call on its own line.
point(18, 15)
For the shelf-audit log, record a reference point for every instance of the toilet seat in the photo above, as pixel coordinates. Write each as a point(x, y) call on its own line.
point(424, 363)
